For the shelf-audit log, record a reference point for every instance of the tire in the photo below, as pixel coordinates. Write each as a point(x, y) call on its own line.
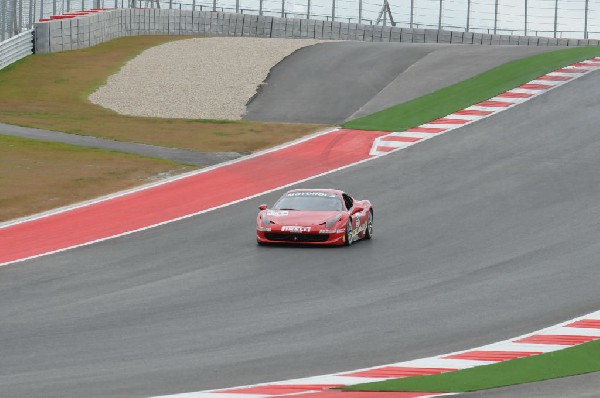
point(348, 233)
point(369, 231)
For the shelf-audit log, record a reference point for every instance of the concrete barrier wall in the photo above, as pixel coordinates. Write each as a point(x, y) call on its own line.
point(89, 30)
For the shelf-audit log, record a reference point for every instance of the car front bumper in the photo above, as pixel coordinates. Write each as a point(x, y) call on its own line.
point(333, 237)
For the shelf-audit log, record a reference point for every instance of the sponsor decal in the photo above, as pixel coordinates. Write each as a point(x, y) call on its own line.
point(332, 231)
point(295, 228)
point(361, 229)
point(319, 194)
point(277, 213)
point(327, 231)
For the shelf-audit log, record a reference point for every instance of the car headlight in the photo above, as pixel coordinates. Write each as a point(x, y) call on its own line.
point(332, 222)
point(265, 220)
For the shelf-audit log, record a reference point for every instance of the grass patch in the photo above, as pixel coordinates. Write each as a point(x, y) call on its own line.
point(584, 358)
point(50, 91)
point(476, 89)
point(36, 176)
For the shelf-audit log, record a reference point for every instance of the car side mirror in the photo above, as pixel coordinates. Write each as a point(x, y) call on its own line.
point(262, 207)
point(357, 209)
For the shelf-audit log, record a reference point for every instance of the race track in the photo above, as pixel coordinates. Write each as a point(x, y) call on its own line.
point(332, 82)
point(482, 234)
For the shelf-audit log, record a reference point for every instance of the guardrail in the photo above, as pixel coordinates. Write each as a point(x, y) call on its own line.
point(76, 32)
point(16, 48)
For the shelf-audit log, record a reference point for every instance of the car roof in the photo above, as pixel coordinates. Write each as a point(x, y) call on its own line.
point(335, 191)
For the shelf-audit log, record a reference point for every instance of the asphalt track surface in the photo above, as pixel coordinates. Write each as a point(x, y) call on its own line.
point(482, 234)
point(178, 155)
point(331, 82)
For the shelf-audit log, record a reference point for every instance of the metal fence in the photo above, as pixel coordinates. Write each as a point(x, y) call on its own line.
point(557, 18)
point(15, 48)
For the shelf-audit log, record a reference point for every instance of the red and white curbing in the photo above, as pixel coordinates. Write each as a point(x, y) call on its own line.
point(399, 140)
point(564, 335)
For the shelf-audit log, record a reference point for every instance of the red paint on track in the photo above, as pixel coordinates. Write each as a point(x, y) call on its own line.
point(515, 95)
point(446, 120)
point(585, 323)
point(573, 70)
point(535, 86)
point(584, 64)
point(385, 148)
point(431, 130)
point(277, 389)
point(186, 196)
point(495, 104)
point(398, 371)
point(557, 339)
point(367, 394)
point(400, 139)
point(554, 78)
point(492, 356)
point(473, 112)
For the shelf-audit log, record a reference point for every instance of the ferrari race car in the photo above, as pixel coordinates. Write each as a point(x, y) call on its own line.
point(315, 216)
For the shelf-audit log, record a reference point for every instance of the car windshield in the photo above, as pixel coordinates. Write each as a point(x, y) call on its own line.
point(315, 201)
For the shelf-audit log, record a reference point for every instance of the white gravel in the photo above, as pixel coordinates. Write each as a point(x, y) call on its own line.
point(209, 78)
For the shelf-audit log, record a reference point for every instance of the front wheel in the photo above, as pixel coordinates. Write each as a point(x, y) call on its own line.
point(369, 232)
point(348, 233)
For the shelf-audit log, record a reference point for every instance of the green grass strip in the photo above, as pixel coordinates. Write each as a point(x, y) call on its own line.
point(584, 358)
point(474, 90)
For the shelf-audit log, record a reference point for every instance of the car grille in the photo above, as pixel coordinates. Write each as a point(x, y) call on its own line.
point(291, 237)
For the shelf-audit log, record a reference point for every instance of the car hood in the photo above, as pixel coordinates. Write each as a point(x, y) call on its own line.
point(296, 217)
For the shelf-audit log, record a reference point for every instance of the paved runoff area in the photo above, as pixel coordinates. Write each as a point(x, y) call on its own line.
point(207, 78)
point(290, 80)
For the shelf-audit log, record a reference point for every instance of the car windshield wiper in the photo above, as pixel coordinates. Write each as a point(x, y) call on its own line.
point(286, 209)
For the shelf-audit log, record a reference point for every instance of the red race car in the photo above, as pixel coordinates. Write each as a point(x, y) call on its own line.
point(315, 216)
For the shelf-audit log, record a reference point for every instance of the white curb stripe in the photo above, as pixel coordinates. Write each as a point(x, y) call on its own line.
point(438, 362)
point(382, 147)
point(105, 198)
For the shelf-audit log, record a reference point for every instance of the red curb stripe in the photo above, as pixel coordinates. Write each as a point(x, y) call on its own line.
point(431, 130)
point(492, 356)
point(445, 120)
point(571, 70)
point(582, 64)
point(401, 139)
point(495, 104)
point(534, 86)
point(186, 196)
point(276, 389)
point(557, 339)
point(385, 148)
point(472, 112)
point(398, 371)
point(585, 323)
point(554, 78)
point(368, 394)
point(515, 95)
point(346, 131)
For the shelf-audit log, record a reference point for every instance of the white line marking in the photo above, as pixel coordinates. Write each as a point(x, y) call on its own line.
point(432, 362)
point(105, 198)
point(380, 142)
point(187, 215)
